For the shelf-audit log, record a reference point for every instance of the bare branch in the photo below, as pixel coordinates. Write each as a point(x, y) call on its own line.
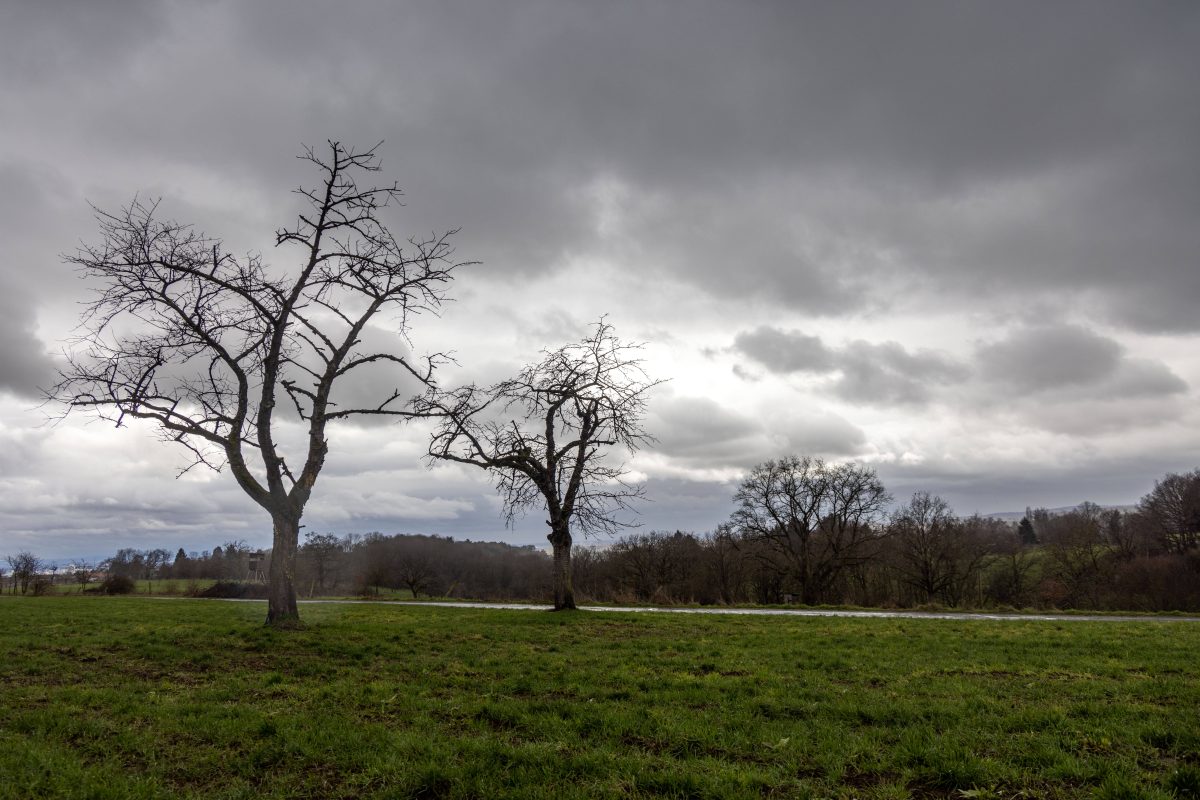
point(569, 412)
point(204, 343)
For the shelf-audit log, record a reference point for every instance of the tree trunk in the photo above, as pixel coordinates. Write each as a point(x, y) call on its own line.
point(281, 589)
point(564, 590)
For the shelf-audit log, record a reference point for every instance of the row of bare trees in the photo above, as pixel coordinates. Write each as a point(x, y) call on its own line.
point(805, 531)
point(415, 565)
point(26, 573)
point(423, 566)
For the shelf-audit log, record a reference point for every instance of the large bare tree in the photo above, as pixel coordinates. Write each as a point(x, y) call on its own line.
point(546, 436)
point(941, 556)
point(209, 345)
point(1173, 508)
point(815, 519)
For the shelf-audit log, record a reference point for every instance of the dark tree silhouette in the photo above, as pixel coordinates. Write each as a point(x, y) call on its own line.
point(83, 574)
point(207, 344)
point(25, 568)
point(1173, 508)
point(546, 437)
point(1025, 531)
point(323, 551)
point(815, 519)
point(927, 540)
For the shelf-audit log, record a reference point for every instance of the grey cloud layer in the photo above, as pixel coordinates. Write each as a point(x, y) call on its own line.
point(1061, 377)
point(1051, 357)
point(24, 364)
point(879, 374)
point(796, 152)
point(699, 433)
point(794, 162)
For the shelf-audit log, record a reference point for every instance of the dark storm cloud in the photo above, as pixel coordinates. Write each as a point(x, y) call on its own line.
point(25, 366)
point(46, 39)
point(1140, 377)
point(867, 373)
point(853, 130)
point(691, 426)
point(814, 433)
point(784, 351)
point(1053, 357)
point(699, 433)
point(975, 487)
point(1049, 357)
point(368, 386)
point(888, 374)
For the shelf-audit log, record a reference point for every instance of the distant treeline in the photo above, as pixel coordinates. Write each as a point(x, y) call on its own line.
point(802, 532)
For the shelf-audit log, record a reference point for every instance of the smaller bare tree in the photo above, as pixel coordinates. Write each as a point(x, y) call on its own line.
point(546, 435)
point(152, 563)
point(925, 537)
point(324, 551)
point(25, 567)
point(725, 563)
point(939, 555)
point(83, 574)
point(415, 570)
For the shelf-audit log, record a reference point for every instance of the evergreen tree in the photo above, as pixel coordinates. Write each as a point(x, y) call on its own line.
point(1026, 532)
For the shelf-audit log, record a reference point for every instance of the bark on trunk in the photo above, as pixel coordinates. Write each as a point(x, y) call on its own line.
point(564, 590)
point(281, 590)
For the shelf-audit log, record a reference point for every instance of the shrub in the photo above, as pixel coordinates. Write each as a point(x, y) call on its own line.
point(235, 589)
point(117, 584)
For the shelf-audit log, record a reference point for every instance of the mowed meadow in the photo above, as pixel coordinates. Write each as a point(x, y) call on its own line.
point(145, 698)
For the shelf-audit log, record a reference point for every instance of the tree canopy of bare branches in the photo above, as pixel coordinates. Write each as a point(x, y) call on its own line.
point(25, 568)
point(940, 555)
point(206, 344)
point(546, 436)
point(819, 517)
point(1173, 508)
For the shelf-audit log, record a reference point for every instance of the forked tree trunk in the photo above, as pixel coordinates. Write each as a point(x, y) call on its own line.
point(564, 590)
point(281, 589)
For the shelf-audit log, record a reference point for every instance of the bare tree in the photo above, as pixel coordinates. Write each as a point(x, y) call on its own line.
point(1173, 506)
point(25, 568)
point(656, 566)
point(925, 539)
point(725, 564)
point(324, 551)
point(206, 344)
point(816, 519)
point(414, 569)
point(1012, 573)
point(546, 437)
point(939, 555)
point(1079, 557)
point(83, 574)
point(153, 562)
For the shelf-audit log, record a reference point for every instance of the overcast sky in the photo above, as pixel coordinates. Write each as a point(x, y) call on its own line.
point(956, 240)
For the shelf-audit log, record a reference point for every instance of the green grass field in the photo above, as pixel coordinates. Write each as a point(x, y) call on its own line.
point(135, 697)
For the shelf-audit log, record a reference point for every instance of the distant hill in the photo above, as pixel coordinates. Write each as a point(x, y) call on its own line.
point(1015, 516)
